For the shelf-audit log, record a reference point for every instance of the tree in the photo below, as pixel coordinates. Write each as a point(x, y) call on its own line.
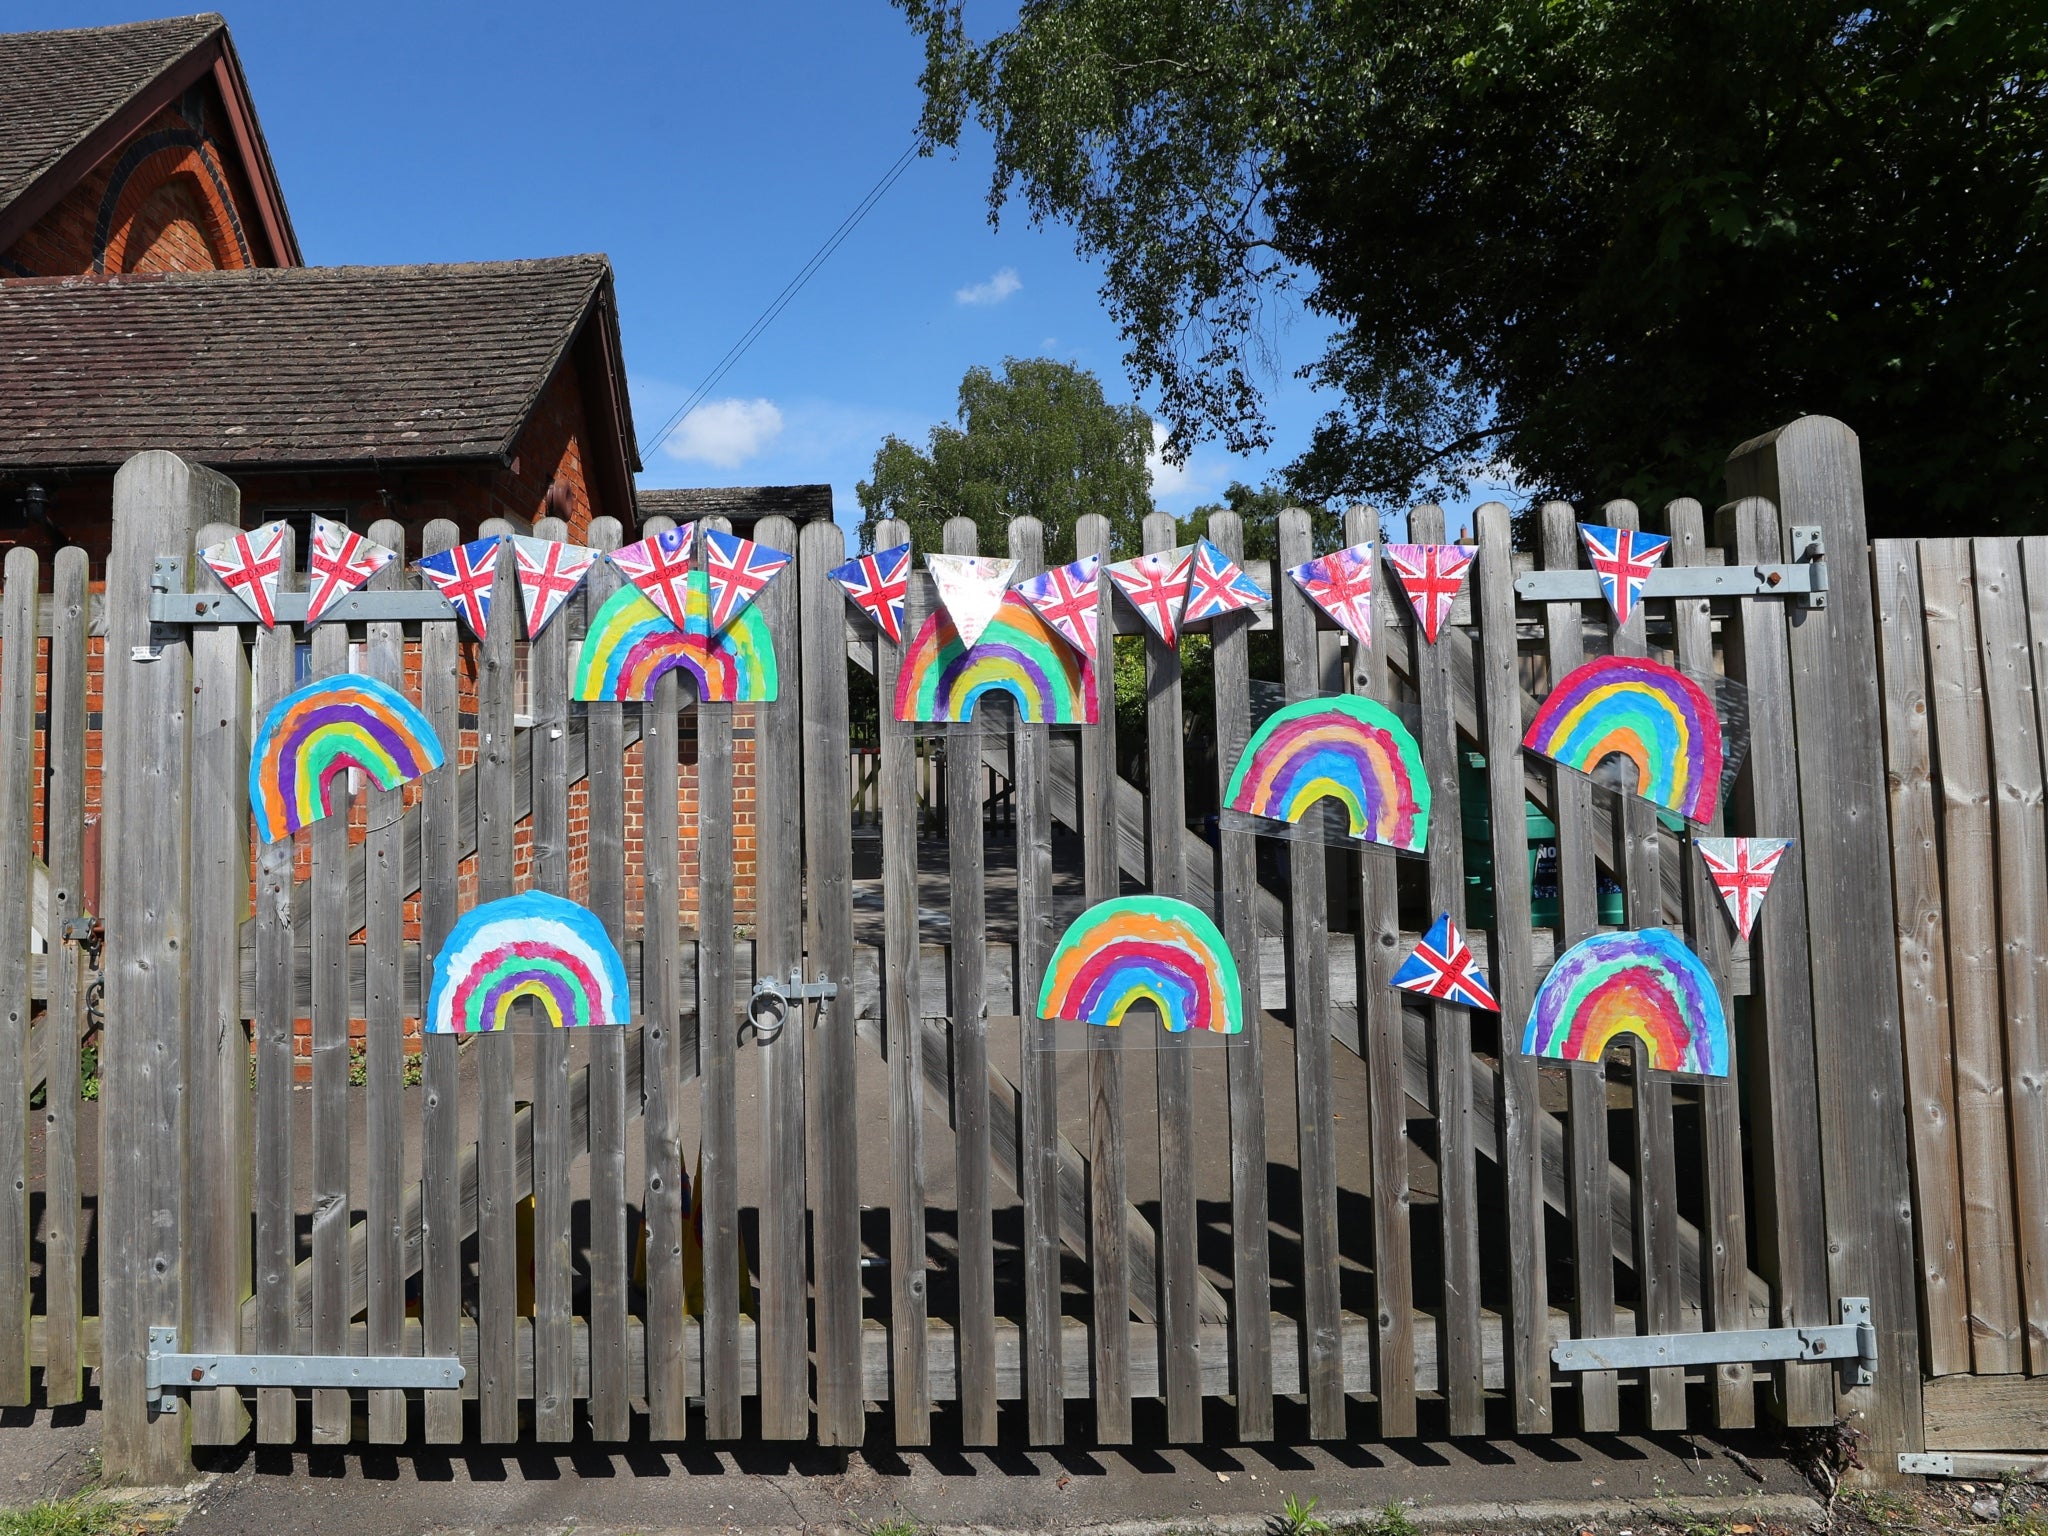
point(1038, 441)
point(1259, 510)
point(1597, 242)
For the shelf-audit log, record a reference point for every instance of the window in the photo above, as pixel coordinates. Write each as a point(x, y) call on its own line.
point(300, 519)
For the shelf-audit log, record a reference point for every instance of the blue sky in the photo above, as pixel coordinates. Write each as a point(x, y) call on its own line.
point(708, 149)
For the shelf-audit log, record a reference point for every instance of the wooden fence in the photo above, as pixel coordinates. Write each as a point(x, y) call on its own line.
point(1381, 1212)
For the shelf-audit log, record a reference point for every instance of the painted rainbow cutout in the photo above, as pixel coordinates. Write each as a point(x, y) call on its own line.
point(1646, 984)
point(630, 644)
point(1351, 749)
point(324, 728)
point(1018, 654)
point(530, 945)
point(1144, 949)
point(1654, 715)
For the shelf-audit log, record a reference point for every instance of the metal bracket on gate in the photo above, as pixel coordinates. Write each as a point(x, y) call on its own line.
point(1850, 1345)
point(768, 1007)
point(166, 1372)
point(1804, 577)
point(170, 603)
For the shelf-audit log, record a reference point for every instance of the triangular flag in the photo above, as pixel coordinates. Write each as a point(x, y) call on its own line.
point(249, 565)
point(1067, 597)
point(1157, 585)
point(1431, 575)
point(878, 585)
point(549, 574)
point(340, 561)
point(1441, 966)
point(971, 589)
point(1742, 868)
point(1341, 584)
point(1218, 585)
point(1624, 558)
point(738, 569)
point(464, 575)
point(659, 565)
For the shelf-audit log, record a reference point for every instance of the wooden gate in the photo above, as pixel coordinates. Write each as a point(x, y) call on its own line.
point(1371, 1219)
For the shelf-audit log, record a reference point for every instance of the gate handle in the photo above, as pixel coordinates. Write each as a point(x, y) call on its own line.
point(768, 1006)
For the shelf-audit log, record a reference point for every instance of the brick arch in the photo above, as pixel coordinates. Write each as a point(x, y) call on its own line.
point(163, 177)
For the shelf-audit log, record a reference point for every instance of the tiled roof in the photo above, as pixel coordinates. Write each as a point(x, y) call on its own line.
point(298, 365)
point(59, 86)
point(741, 505)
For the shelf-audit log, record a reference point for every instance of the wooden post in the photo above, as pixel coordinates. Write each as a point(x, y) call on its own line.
point(159, 500)
point(17, 913)
point(1812, 468)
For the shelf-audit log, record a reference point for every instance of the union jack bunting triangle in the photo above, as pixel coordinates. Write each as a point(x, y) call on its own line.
point(971, 589)
point(340, 561)
point(248, 565)
point(1441, 966)
point(549, 574)
point(659, 565)
point(1624, 559)
point(1218, 585)
point(1341, 584)
point(878, 584)
point(464, 575)
point(1431, 575)
point(1157, 585)
point(737, 569)
point(1742, 868)
point(1067, 598)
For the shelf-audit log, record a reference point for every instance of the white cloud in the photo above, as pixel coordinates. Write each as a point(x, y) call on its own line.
point(994, 291)
point(725, 433)
point(1169, 480)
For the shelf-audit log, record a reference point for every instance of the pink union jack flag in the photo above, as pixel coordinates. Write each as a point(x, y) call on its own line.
point(1431, 575)
point(878, 584)
point(1218, 585)
point(1067, 597)
point(249, 565)
point(1341, 584)
point(659, 565)
point(737, 569)
point(549, 574)
point(340, 562)
point(464, 575)
point(1624, 559)
point(1441, 966)
point(1742, 868)
point(1157, 585)
point(971, 589)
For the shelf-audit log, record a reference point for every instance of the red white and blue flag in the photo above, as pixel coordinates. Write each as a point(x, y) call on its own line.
point(1441, 966)
point(1741, 869)
point(340, 561)
point(1341, 585)
point(1431, 575)
point(1157, 585)
point(878, 584)
point(1624, 559)
point(549, 574)
point(659, 565)
point(464, 575)
point(1068, 597)
point(1218, 585)
point(249, 565)
point(736, 570)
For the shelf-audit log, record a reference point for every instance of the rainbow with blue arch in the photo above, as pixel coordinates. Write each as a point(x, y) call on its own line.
point(530, 945)
point(1662, 721)
point(1644, 983)
point(323, 729)
point(1144, 950)
point(630, 643)
point(1018, 654)
point(1350, 749)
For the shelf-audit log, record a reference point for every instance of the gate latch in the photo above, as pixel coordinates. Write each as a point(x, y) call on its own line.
point(1850, 1345)
point(768, 1007)
point(166, 1371)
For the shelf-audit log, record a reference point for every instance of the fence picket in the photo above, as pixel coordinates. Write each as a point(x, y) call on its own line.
point(17, 914)
point(332, 1208)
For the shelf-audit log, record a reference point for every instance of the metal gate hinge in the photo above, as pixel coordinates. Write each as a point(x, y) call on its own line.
point(166, 1371)
point(768, 1006)
point(1850, 1345)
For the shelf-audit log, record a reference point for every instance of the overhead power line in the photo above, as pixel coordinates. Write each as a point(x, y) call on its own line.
point(782, 300)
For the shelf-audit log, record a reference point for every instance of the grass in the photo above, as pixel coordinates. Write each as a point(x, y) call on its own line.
point(82, 1514)
point(1300, 1519)
point(895, 1528)
point(1888, 1512)
point(1394, 1520)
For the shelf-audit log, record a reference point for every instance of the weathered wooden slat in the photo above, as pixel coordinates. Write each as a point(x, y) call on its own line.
point(332, 1417)
point(778, 903)
point(2022, 869)
point(1038, 1153)
point(1922, 951)
point(828, 929)
point(17, 914)
point(1238, 878)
